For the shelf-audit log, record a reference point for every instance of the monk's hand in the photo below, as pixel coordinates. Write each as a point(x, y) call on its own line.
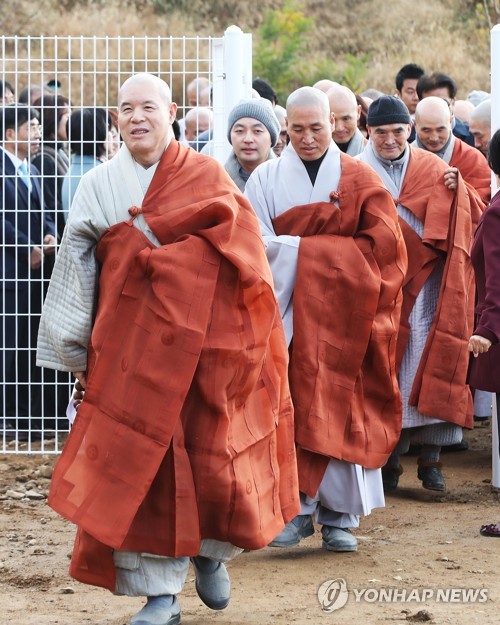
point(80, 385)
point(81, 378)
point(478, 345)
point(451, 178)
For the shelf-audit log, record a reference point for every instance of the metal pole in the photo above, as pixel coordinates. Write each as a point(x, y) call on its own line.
point(234, 85)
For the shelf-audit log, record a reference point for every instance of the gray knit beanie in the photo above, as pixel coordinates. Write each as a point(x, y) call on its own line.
point(260, 109)
point(387, 110)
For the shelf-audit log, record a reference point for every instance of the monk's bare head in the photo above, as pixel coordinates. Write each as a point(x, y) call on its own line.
point(433, 123)
point(309, 122)
point(480, 125)
point(346, 112)
point(325, 84)
point(145, 116)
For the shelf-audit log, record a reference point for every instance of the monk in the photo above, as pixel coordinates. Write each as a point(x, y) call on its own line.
point(347, 111)
point(338, 262)
point(433, 125)
point(161, 304)
point(437, 216)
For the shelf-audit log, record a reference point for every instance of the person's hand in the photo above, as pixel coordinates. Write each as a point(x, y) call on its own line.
point(49, 244)
point(451, 178)
point(36, 257)
point(81, 378)
point(80, 386)
point(478, 345)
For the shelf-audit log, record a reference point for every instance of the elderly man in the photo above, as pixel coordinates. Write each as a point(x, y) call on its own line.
point(197, 121)
point(338, 262)
point(185, 412)
point(436, 217)
point(280, 113)
point(252, 130)
point(433, 121)
point(346, 112)
point(480, 126)
point(433, 125)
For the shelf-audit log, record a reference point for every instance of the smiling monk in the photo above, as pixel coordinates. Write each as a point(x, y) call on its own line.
point(161, 304)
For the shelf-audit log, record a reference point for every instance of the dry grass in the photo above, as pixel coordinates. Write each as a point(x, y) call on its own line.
point(429, 32)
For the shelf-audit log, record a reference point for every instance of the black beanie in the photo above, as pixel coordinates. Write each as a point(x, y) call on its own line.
point(387, 109)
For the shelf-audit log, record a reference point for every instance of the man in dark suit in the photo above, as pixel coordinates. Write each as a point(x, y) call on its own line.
point(27, 235)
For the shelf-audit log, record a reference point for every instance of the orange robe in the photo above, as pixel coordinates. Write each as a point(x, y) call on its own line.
point(186, 428)
point(439, 389)
point(347, 301)
point(473, 167)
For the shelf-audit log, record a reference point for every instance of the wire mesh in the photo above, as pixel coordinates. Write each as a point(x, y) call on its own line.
point(73, 83)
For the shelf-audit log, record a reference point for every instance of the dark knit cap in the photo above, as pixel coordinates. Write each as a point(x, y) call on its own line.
point(259, 109)
point(387, 110)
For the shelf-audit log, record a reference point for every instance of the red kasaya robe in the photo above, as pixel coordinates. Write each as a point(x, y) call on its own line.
point(346, 306)
point(186, 428)
point(449, 218)
point(474, 169)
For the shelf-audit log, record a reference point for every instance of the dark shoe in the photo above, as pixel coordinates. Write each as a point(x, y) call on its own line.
point(294, 531)
point(478, 419)
point(431, 476)
point(390, 477)
point(493, 529)
point(463, 445)
point(338, 539)
point(212, 582)
point(162, 610)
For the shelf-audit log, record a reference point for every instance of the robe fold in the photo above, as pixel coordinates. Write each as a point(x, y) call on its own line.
point(346, 308)
point(186, 428)
point(474, 169)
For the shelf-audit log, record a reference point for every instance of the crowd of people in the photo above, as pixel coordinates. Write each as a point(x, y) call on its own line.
point(255, 345)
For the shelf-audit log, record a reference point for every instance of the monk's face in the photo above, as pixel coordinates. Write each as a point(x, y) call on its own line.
point(310, 130)
point(389, 141)
point(144, 118)
point(481, 131)
point(346, 114)
point(282, 138)
point(433, 128)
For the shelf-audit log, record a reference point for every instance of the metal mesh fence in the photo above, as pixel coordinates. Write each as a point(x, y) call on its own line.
point(73, 84)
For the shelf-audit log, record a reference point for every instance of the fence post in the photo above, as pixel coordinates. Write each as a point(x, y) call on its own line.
point(231, 80)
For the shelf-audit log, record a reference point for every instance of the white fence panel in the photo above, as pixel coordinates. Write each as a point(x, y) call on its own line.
point(87, 73)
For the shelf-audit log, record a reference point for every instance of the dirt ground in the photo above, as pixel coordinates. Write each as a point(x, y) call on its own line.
point(424, 545)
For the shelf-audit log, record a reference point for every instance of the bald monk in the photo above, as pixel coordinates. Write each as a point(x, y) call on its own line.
point(480, 126)
point(346, 112)
point(437, 215)
point(338, 262)
point(325, 84)
point(161, 304)
point(433, 125)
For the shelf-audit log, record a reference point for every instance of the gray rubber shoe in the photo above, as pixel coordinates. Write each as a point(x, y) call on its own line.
point(212, 582)
point(162, 610)
point(338, 539)
point(294, 531)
